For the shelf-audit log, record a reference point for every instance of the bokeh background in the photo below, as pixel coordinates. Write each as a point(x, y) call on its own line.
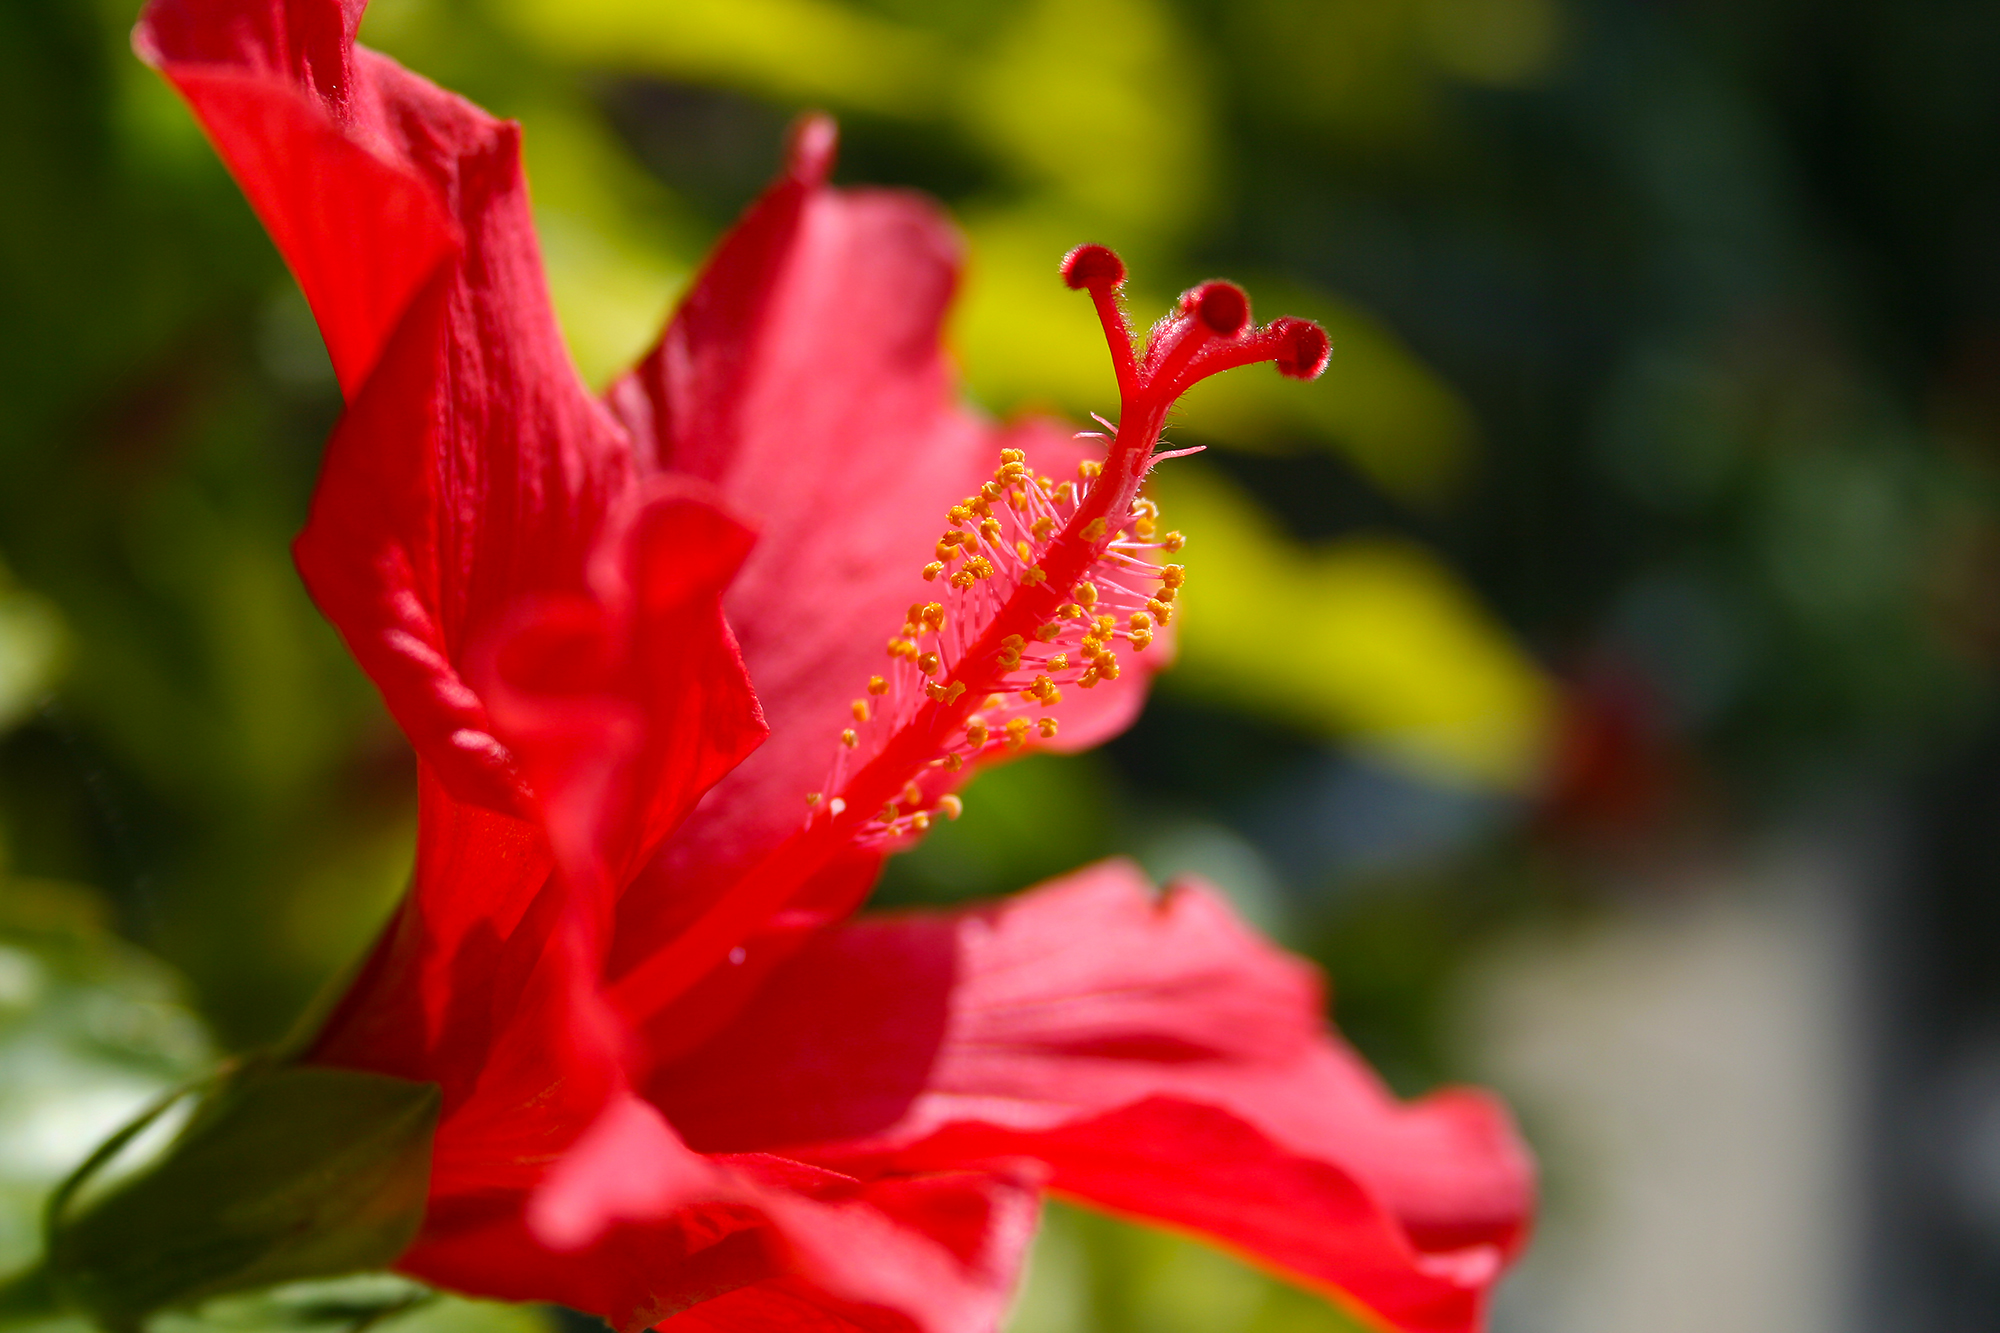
point(1595, 670)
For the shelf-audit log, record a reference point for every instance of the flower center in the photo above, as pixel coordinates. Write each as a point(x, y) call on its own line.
point(1041, 584)
point(960, 689)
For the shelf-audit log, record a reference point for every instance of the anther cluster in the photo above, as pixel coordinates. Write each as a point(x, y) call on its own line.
point(993, 545)
point(1040, 584)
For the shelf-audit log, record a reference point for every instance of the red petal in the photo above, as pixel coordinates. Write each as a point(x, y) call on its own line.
point(632, 1225)
point(276, 87)
point(1154, 1054)
point(625, 706)
point(805, 377)
point(411, 1012)
point(472, 467)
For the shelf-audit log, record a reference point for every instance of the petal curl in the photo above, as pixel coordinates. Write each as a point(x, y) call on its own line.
point(1152, 1053)
point(632, 1225)
point(626, 705)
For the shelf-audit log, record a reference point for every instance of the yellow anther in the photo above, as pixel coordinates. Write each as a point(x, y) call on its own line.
point(992, 701)
point(1086, 594)
point(847, 738)
point(1143, 526)
point(958, 516)
point(1087, 469)
point(1106, 626)
point(1140, 620)
point(952, 806)
point(1161, 611)
point(1013, 456)
point(957, 688)
point(1060, 662)
point(990, 530)
point(975, 734)
point(1047, 484)
point(1088, 680)
point(1047, 726)
point(912, 793)
point(933, 615)
point(1025, 551)
point(877, 685)
point(1094, 530)
point(1145, 508)
point(1014, 641)
point(920, 821)
point(889, 813)
point(977, 504)
point(980, 566)
point(1069, 611)
point(934, 691)
point(952, 763)
point(1107, 665)
point(902, 648)
point(1017, 732)
point(1173, 541)
point(812, 798)
point(963, 579)
point(990, 492)
point(1141, 640)
point(1048, 632)
point(928, 663)
point(1041, 686)
point(1036, 574)
point(1042, 527)
point(1063, 493)
point(1017, 499)
point(860, 710)
point(1173, 576)
point(932, 570)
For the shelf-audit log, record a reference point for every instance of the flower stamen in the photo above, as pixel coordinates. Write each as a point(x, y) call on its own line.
point(1049, 575)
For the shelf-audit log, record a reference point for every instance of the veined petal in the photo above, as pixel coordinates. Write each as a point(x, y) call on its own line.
point(1153, 1054)
point(473, 467)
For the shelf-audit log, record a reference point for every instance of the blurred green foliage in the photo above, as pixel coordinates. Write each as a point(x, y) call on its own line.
point(1653, 480)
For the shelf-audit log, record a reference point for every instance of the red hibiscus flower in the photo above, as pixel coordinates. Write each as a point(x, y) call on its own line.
point(676, 1080)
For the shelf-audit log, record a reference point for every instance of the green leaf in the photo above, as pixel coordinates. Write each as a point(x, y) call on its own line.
point(281, 1173)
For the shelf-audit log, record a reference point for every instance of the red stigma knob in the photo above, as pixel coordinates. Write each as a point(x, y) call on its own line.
point(1303, 348)
point(1092, 266)
point(1222, 306)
